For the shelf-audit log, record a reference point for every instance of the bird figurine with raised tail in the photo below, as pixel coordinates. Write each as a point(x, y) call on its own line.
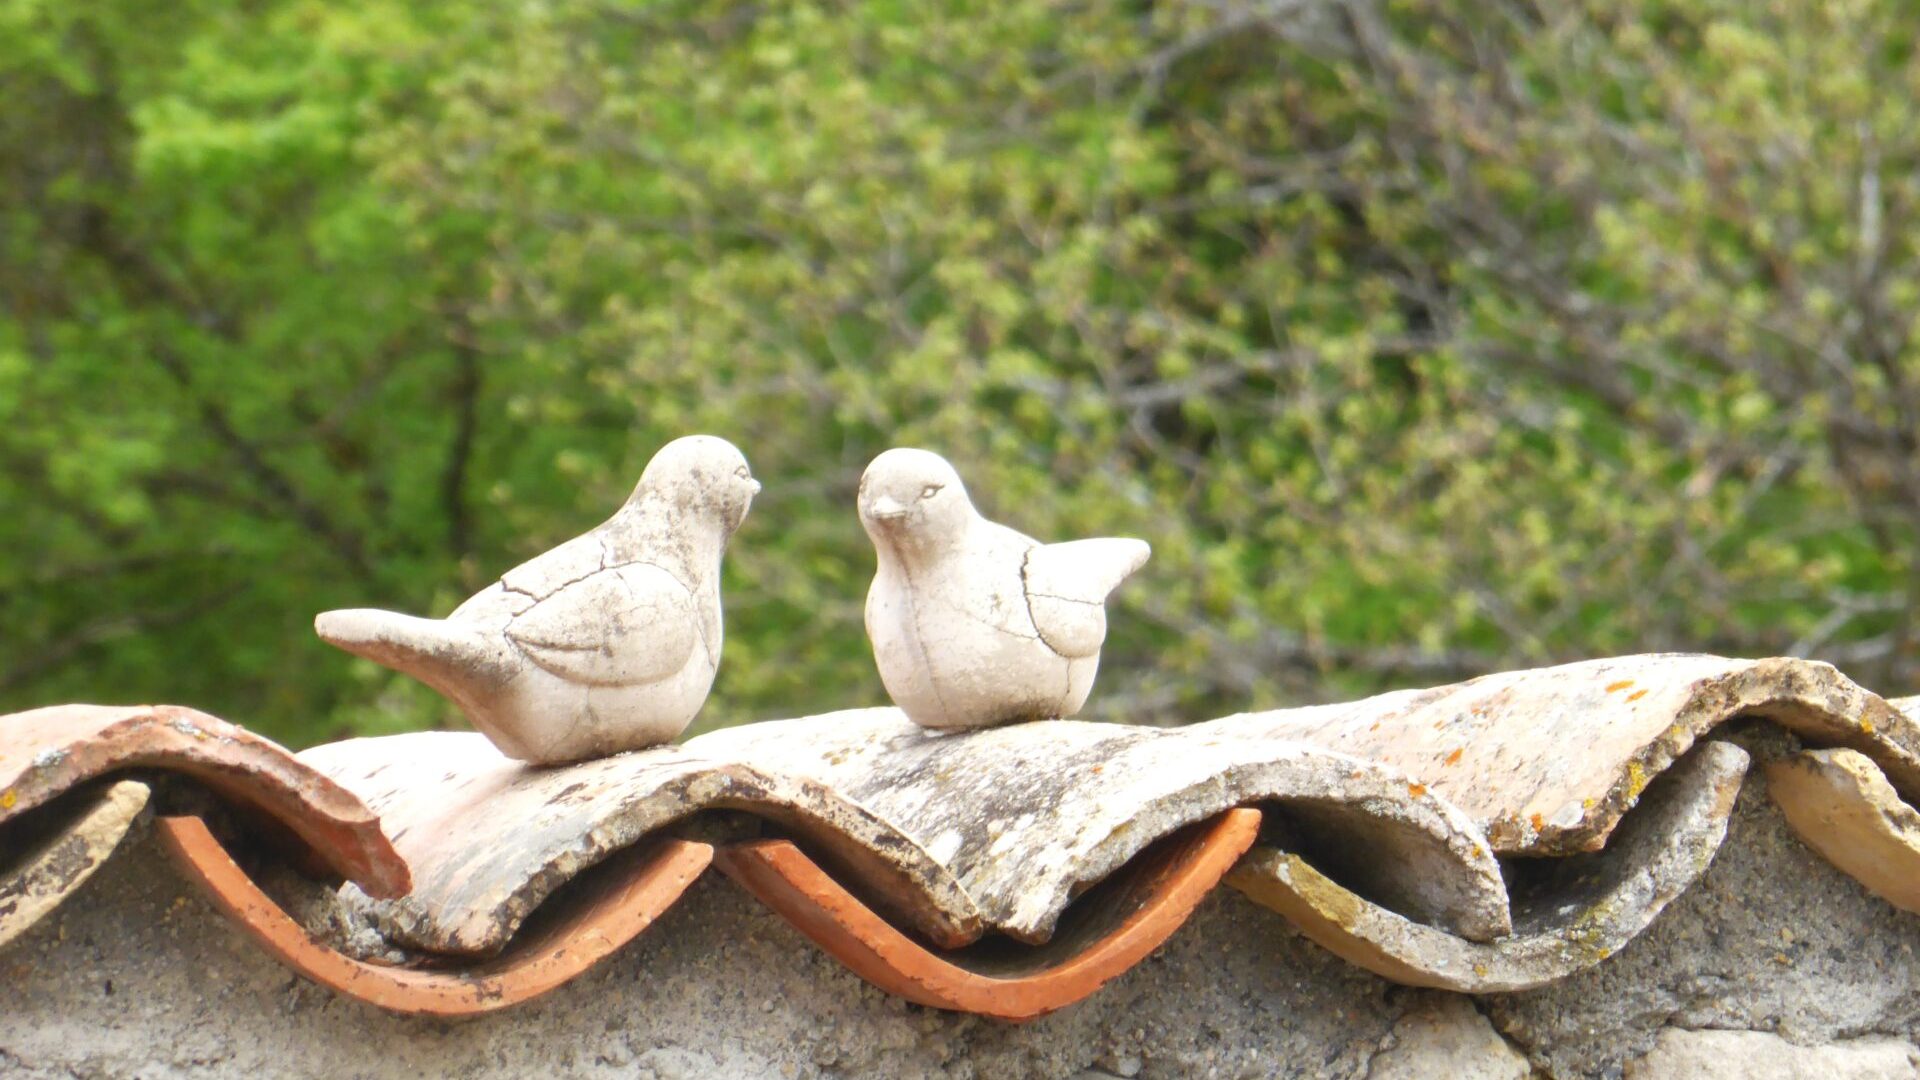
point(974, 624)
point(608, 642)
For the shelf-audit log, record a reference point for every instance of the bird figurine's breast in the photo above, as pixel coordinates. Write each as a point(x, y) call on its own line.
point(972, 623)
point(608, 642)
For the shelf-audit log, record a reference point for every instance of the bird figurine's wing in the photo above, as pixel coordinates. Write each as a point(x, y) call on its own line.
point(1067, 586)
point(623, 626)
point(540, 576)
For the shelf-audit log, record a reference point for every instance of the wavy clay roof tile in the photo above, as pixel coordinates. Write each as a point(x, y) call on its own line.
point(1013, 870)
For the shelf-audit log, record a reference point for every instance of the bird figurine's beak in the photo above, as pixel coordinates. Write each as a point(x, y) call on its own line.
point(753, 487)
point(886, 508)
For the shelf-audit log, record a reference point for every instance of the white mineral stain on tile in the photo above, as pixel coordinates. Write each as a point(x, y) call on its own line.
point(945, 846)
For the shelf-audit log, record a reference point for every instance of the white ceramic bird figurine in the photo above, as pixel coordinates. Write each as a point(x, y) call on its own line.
point(974, 624)
point(608, 642)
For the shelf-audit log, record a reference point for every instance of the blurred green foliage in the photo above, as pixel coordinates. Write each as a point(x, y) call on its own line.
point(1421, 339)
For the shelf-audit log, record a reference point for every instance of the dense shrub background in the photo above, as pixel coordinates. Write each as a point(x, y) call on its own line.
point(1421, 339)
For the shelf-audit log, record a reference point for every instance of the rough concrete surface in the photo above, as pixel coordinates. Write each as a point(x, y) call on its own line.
point(139, 977)
point(136, 976)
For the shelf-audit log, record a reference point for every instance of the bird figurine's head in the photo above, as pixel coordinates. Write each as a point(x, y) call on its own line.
point(913, 498)
point(701, 475)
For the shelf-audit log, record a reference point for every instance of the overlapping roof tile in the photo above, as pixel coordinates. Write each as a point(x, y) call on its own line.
point(614, 910)
point(1585, 908)
point(46, 752)
point(1027, 816)
point(487, 838)
point(1546, 761)
point(1492, 835)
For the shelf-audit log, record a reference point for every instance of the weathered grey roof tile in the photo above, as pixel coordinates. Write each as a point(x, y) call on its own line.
point(1027, 816)
point(488, 838)
point(1547, 760)
point(1592, 905)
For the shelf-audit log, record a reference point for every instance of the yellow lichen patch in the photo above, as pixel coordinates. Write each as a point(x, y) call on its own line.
point(1416, 790)
point(1340, 907)
point(1621, 685)
point(1866, 726)
point(1453, 758)
point(7, 799)
point(1539, 823)
point(1636, 695)
point(1297, 882)
point(1636, 779)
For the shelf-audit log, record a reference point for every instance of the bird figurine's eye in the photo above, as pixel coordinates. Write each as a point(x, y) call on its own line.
point(741, 472)
point(930, 490)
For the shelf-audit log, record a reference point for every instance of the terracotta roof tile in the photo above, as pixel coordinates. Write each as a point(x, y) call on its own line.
point(1027, 816)
point(1141, 909)
point(488, 838)
point(1012, 871)
point(46, 752)
point(615, 910)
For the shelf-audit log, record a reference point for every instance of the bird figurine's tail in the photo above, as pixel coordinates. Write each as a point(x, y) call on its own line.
point(450, 657)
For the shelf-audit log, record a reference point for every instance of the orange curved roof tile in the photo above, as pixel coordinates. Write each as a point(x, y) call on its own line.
point(617, 908)
point(47, 752)
point(1153, 900)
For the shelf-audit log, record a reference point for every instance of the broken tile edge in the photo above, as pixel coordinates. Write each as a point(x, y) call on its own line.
point(1840, 804)
point(62, 862)
point(1297, 778)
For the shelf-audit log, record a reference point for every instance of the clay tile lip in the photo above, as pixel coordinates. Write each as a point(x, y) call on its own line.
point(1661, 849)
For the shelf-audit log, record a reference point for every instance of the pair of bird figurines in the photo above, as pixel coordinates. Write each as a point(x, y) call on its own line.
point(610, 641)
